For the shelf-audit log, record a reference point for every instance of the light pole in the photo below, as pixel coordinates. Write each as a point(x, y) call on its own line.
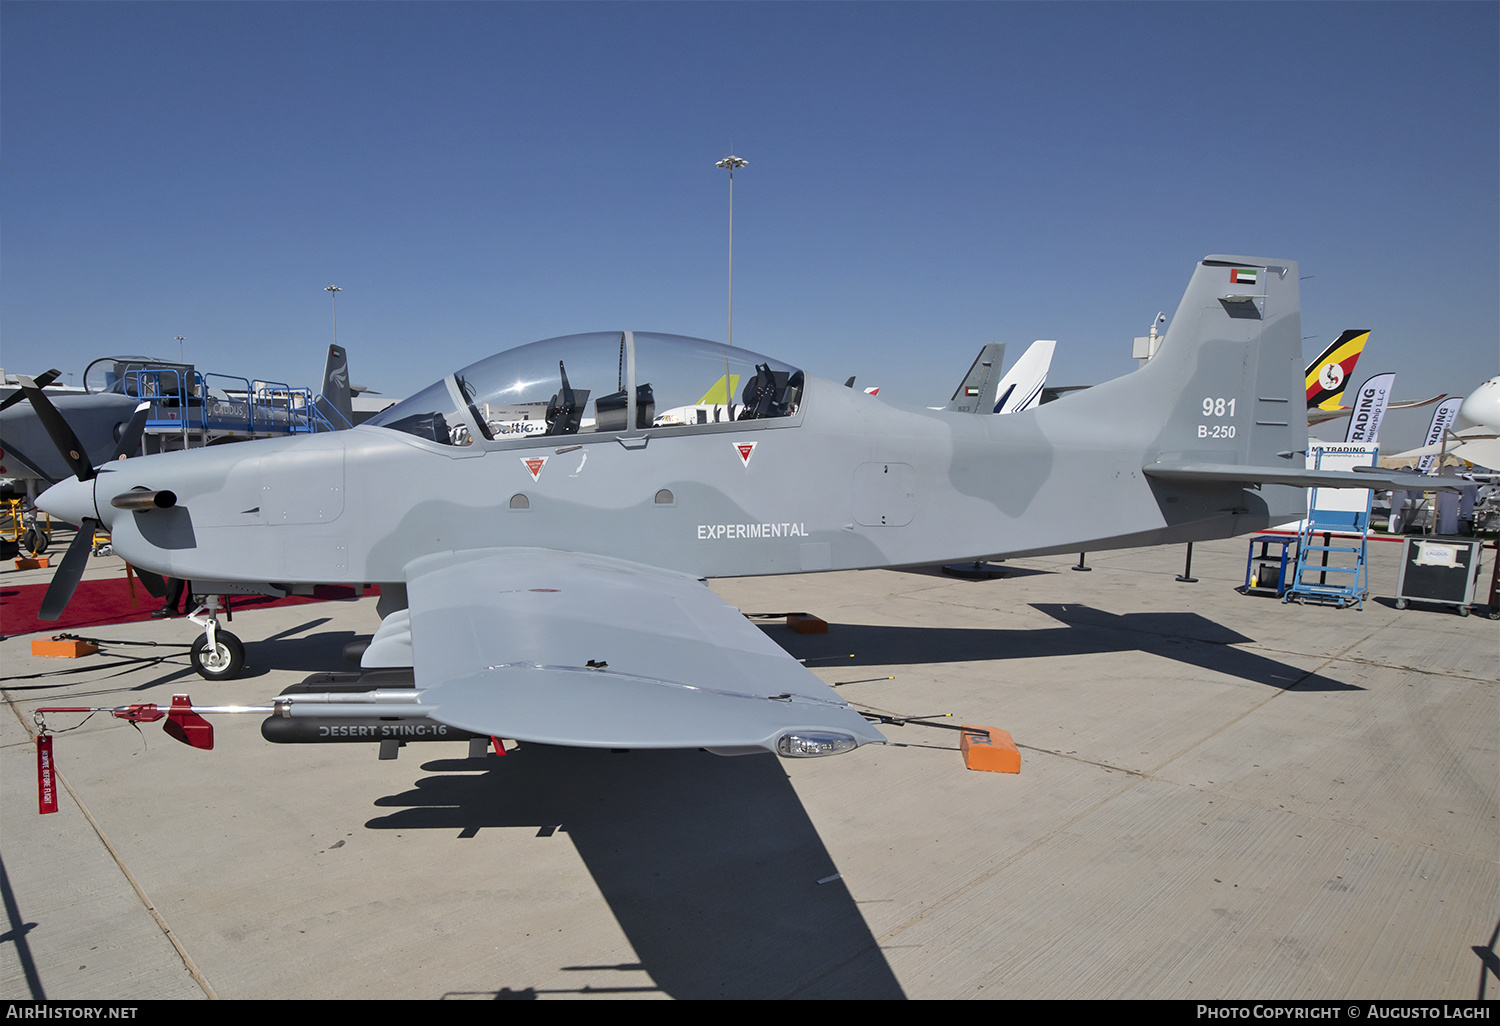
point(180, 340)
point(731, 163)
point(333, 294)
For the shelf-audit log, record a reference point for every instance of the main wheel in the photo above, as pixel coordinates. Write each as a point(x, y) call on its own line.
point(225, 661)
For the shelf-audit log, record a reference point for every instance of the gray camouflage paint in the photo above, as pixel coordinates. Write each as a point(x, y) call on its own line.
point(848, 481)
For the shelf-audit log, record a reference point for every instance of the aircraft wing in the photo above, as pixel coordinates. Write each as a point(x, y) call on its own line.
point(572, 649)
point(1475, 445)
point(1317, 415)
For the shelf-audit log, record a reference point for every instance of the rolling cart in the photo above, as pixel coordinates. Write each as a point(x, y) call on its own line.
point(1440, 570)
point(1265, 572)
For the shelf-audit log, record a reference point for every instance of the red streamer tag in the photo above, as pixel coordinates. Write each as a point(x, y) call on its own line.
point(46, 780)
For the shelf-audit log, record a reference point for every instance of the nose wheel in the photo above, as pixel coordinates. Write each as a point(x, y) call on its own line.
point(216, 654)
point(35, 540)
point(223, 660)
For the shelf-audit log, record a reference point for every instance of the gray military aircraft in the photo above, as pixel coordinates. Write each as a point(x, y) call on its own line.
point(26, 452)
point(549, 585)
point(105, 413)
point(115, 387)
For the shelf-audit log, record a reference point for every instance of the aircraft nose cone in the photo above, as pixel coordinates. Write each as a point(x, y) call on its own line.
point(71, 500)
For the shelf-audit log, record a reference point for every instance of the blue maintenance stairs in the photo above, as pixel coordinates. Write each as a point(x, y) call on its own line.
point(1329, 572)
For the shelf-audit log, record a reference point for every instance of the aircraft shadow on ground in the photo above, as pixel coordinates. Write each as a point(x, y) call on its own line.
point(1005, 571)
point(313, 653)
point(16, 933)
point(709, 864)
point(1185, 637)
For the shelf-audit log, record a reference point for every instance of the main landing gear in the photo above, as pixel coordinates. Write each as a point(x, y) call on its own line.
point(217, 654)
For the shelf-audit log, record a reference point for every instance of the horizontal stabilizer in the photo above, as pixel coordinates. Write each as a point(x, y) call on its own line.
point(1230, 473)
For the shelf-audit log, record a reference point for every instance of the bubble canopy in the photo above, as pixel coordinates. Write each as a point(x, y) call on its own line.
point(606, 382)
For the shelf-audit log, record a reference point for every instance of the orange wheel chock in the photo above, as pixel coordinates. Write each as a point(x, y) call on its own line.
point(68, 648)
point(806, 623)
point(989, 748)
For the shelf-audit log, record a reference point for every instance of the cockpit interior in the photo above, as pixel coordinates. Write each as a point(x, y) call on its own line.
point(601, 382)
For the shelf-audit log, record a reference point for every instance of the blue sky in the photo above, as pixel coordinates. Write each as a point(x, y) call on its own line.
point(923, 178)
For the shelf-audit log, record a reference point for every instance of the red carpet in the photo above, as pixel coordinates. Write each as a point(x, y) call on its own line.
point(107, 601)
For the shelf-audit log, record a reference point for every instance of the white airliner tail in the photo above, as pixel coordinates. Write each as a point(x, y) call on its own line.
point(1021, 388)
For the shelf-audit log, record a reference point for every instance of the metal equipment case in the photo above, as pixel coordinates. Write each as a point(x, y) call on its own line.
point(1439, 569)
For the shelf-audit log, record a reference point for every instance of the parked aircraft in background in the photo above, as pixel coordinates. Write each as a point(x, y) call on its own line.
point(1328, 376)
point(115, 386)
point(1021, 388)
point(26, 450)
point(1475, 435)
point(185, 407)
point(550, 587)
point(976, 392)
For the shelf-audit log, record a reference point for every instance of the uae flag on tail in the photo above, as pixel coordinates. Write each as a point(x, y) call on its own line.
point(1243, 275)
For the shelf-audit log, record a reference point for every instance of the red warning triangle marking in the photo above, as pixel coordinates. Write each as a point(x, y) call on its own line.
point(745, 449)
point(534, 465)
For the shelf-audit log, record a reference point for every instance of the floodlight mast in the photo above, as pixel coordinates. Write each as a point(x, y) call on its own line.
point(333, 294)
point(731, 163)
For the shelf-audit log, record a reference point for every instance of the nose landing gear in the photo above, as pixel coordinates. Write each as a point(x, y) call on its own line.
point(217, 654)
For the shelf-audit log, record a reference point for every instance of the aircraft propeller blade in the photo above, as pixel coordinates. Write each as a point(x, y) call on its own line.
point(62, 435)
point(42, 381)
point(130, 437)
point(65, 581)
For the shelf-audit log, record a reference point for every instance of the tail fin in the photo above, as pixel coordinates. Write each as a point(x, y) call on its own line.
point(1235, 349)
point(1021, 388)
point(1227, 381)
point(1225, 386)
point(976, 393)
point(337, 396)
point(1215, 423)
point(1330, 372)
